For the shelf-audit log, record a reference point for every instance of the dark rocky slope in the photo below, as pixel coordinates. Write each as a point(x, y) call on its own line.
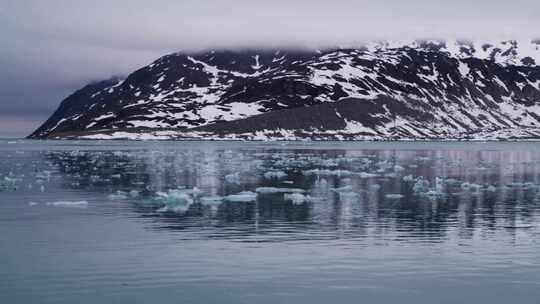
point(428, 89)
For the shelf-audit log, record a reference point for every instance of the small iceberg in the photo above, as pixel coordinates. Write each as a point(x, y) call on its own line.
point(242, 197)
point(211, 200)
point(343, 189)
point(174, 200)
point(275, 175)
point(118, 195)
point(298, 198)
point(408, 178)
point(233, 178)
point(491, 188)
point(267, 190)
point(421, 185)
point(367, 175)
point(326, 172)
point(79, 204)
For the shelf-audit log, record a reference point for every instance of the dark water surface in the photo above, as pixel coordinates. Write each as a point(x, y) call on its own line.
point(203, 222)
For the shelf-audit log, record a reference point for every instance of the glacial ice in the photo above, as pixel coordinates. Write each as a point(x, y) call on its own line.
point(275, 175)
point(367, 175)
point(79, 204)
point(233, 178)
point(394, 196)
point(175, 200)
point(421, 185)
point(298, 198)
point(242, 197)
point(343, 189)
point(118, 195)
point(491, 188)
point(408, 178)
point(278, 190)
point(327, 172)
point(211, 200)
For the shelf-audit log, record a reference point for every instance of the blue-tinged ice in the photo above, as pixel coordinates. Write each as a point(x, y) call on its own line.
point(242, 197)
point(233, 178)
point(275, 175)
point(279, 190)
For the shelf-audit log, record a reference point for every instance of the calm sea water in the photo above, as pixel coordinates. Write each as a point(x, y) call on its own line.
point(209, 222)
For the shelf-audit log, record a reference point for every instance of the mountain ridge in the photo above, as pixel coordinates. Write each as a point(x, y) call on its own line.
point(429, 89)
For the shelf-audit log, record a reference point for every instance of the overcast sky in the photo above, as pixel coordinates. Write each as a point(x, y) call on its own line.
point(50, 48)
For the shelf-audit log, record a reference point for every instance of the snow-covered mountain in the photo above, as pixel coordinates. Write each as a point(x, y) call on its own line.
point(428, 89)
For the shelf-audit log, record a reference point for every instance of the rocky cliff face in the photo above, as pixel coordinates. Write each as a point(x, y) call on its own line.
point(385, 90)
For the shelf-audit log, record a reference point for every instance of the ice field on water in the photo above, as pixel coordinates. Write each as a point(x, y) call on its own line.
point(279, 222)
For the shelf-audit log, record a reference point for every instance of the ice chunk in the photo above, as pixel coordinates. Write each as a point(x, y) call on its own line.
point(242, 197)
point(233, 178)
point(279, 190)
point(421, 185)
point(33, 203)
point(327, 172)
point(211, 200)
point(491, 188)
point(439, 184)
point(348, 195)
point(298, 198)
point(343, 189)
point(175, 200)
point(408, 178)
point(119, 195)
point(79, 204)
point(275, 175)
point(432, 194)
point(375, 187)
point(134, 193)
point(366, 175)
point(394, 196)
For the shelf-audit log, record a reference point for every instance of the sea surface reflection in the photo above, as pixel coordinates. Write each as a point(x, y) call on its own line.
point(200, 222)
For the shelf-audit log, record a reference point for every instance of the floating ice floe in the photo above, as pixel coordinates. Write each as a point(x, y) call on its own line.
point(421, 185)
point(298, 198)
point(394, 196)
point(233, 178)
point(279, 190)
point(422, 188)
point(327, 172)
point(275, 175)
point(408, 178)
point(211, 200)
point(80, 204)
point(118, 195)
point(242, 197)
point(367, 175)
point(491, 188)
point(398, 168)
point(343, 189)
point(375, 187)
point(173, 201)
